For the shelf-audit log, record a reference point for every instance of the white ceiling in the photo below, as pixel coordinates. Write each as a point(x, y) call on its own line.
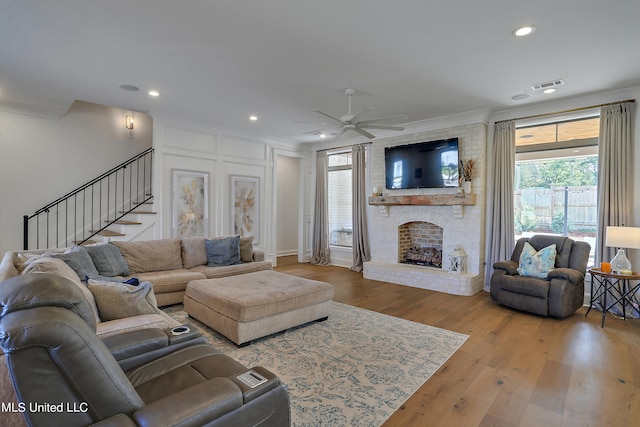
point(218, 61)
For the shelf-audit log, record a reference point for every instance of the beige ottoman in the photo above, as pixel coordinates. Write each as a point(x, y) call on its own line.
point(254, 305)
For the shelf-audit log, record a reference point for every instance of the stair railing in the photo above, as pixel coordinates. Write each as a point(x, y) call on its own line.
point(89, 209)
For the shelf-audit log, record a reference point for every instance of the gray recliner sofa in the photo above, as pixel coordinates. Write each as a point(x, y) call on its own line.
point(559, 294)
point(55, 371)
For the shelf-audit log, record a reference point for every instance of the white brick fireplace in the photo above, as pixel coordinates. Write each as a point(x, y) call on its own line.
point(462, 226)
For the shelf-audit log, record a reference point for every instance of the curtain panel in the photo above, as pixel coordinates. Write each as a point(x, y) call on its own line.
point(615, 173)
point(615, 185)
point(320, 241)
point(361, 253)
point(500, 236)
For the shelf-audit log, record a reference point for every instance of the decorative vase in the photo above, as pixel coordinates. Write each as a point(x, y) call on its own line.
point(620, 263)
point(466, 186)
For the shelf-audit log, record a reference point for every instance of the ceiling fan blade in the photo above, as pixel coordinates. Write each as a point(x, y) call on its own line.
point(342, 131)
point(372, 126)
point(317, 131)
point(328, 115)
point(353, 119)
point(399, 117)
point(364, 133)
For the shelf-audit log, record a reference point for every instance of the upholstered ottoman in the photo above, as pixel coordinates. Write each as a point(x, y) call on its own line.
point(254, 305)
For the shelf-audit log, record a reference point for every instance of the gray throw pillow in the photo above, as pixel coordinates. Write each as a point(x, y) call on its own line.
point(108, 260)
point(79, 260)
point(246, 249)
point(223, 251)
point(119, 300)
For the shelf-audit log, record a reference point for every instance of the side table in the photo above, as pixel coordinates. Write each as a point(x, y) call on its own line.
point(618, 286)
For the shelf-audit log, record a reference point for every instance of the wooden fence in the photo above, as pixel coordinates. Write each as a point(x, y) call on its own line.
point(540, 205)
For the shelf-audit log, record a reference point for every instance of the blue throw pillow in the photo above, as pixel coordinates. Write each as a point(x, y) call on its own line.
point(537, 264)
point(223, 251)
point(79, 260)
point(108, 260)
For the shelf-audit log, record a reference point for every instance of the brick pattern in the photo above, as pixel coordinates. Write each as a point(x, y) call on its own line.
point(466, 232)
point(418, 234)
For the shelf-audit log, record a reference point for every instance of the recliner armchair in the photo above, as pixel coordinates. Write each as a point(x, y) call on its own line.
point(559, 294)
point(53, 357)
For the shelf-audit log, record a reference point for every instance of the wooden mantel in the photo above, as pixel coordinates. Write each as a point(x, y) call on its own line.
point(425, 199)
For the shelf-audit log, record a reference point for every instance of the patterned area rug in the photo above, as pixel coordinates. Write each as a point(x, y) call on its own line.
point(355, 369)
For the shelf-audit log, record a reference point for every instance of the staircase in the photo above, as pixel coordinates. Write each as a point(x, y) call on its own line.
point(117, 205)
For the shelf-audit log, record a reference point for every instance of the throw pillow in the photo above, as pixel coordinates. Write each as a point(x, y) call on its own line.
point(119, 300)
point(246, 249)
point(223, 251)
point(108, 260)
point(537, 264)
point(194, 252)
point(78, 258)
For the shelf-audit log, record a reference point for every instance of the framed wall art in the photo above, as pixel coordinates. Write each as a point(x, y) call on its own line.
point(245, 206)
point(190, 204)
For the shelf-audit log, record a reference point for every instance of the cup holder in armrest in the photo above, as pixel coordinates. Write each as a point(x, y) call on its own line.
point(183, 333)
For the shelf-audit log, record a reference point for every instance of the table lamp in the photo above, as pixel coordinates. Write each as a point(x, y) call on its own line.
point(622, 238)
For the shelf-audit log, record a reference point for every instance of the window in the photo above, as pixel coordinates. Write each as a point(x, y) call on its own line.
point(556, 177)
point(339, 203)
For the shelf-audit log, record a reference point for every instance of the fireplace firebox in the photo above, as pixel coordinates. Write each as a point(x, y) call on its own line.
point(420, 243)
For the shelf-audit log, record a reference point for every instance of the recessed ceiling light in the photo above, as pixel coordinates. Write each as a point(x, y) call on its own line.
point(525, 30)
point(322, 135)
point(520, 96)
point(253, 118)
point(550, 90)
point(130, 88)
point(154, 93)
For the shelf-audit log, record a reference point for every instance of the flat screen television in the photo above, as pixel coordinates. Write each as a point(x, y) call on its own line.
point(432, 164)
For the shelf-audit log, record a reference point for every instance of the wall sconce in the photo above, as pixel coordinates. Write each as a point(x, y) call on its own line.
point(128, 123)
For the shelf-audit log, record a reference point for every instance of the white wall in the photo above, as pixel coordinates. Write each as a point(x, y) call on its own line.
point(44, 159)
point(192, 147)
point(288, 204)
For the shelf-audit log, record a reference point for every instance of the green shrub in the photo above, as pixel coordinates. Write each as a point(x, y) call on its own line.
point(557, 224)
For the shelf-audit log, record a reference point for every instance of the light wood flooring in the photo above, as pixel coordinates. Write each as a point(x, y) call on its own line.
point(515, 369)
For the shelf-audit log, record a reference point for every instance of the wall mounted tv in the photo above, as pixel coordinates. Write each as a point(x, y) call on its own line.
point(432, 164)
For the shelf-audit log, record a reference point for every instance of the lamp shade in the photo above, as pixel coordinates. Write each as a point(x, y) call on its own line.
point(623, 237)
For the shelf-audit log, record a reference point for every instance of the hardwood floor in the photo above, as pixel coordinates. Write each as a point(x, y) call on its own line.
point(515, 369)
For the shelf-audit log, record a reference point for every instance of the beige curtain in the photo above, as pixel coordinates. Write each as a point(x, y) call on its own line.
point(320, 241)
point(615, 173)
point(360, 236)
point(500, 236)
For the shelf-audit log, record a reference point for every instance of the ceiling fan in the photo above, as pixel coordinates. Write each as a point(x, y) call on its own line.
point(350, 121)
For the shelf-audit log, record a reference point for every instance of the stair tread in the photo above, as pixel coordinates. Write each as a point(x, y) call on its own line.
point(88, 242)
point(109, 233)
point(140, 212)
point(125, 222)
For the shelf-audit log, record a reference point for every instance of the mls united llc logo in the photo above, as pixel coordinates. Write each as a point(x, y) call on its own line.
point(47, 407)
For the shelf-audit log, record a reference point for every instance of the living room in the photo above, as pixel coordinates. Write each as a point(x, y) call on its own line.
point(52, 151)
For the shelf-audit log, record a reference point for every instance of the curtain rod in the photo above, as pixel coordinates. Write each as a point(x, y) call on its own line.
point(344, 146)
point(566, 111)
